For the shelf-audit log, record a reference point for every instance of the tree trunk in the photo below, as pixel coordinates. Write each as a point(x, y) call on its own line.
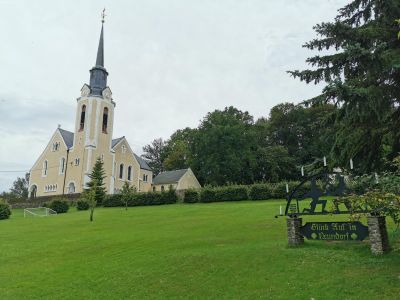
point(91, 214)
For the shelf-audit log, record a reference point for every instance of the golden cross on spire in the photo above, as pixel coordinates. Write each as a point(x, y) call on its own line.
point(103, 15)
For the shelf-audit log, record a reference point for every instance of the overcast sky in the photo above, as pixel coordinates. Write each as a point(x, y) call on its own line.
point(169, 62)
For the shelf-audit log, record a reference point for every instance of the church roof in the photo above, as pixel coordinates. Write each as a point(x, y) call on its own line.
point(68, 137)
point(169, 176)
point(114, 142)
point(142, 163)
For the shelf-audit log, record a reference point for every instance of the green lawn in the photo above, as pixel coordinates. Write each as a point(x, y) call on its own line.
point(198, 251)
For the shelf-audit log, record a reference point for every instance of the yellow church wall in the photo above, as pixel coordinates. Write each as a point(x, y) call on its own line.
point(124, 155)
point(52, 182)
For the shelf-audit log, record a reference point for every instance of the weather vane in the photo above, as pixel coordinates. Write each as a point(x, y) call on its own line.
point(103, 15)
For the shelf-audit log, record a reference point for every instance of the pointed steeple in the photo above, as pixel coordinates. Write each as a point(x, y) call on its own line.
point(100, 49)
point(98, 74)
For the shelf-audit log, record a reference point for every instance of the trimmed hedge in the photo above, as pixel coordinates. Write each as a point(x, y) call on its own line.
point(5, 211)
point(260, 191)
point(225, 193)
point(142, 199)
point(59, 206)
point(191, 196)
point(82, 205)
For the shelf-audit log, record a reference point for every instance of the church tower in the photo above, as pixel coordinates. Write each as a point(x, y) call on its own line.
point(94, 125)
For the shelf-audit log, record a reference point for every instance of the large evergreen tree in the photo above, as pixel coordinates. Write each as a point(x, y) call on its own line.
point(362, 76)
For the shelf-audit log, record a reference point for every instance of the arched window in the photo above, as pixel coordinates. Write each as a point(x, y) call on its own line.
point(71, 188)
point(154, 188)
point(82, 122)
point(162, 188)
point(45, 167)
point(105, 119)
point(130, 173)
point(121, 171)
point(62, 165)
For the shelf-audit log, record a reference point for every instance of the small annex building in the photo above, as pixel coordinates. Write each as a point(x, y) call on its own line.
point(177, 180)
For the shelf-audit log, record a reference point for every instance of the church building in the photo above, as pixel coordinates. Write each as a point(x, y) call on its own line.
point(69, 157)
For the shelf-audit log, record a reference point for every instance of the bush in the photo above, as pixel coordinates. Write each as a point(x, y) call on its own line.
point(82, 205)
point(114, 200)
point(191, 196)
point(60, 206)
point(153, 198)
point(260, 191)
point(207, 195)
point(231, 193)
point(5, 211)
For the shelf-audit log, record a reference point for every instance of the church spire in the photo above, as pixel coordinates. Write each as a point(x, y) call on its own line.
point(100, 50)
point(98, 74)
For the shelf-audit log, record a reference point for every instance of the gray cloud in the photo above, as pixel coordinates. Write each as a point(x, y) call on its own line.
point(170, 62)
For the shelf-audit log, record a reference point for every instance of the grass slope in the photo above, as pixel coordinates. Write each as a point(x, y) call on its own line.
point(217, 251)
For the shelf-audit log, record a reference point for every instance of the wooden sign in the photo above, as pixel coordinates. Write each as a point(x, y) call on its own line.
point(334, 231)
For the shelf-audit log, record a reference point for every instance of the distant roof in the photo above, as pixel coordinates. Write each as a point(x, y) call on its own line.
point(68, 137)
point(169, 176)
point(142, 163)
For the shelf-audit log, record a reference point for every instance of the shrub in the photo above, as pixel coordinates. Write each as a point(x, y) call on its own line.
point(279, 190)
point(260, 191)
point(5, 211)
point(191, 196)
point(82, 205)
point(60, 206)
point(207, 195)
point(114, 200)
point(231, 193)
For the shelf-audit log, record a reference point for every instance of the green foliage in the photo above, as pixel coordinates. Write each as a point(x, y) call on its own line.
point(95, 192)
point(155, 154)
point(96, 182)
point(82, 205)
point(383, 204)
point(5, 210)
point(260, 191)
point(191, 196)
point(141, 199)
point(127, 193)
point(20, 187)
point(207, 195)
point(362, 79)
point(114, 200)
point(58, 205)
point(223, 148)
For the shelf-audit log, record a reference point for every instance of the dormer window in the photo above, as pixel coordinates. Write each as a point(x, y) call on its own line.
point(105, 119)
point(82, 121)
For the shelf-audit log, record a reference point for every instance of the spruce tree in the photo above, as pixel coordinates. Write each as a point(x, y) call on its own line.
point(95, 192)
point(362, 76)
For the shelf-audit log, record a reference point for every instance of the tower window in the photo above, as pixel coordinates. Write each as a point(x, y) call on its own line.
point(105, 119)
point(130, 173)
point(82, 122)
point(121, 171)
point(145, 177)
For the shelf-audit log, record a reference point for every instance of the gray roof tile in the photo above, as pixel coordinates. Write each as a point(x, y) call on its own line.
point(169, 176)
point(68, 137)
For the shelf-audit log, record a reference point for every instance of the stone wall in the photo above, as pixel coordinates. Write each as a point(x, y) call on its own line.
point(378, 235)
point(293, 231)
